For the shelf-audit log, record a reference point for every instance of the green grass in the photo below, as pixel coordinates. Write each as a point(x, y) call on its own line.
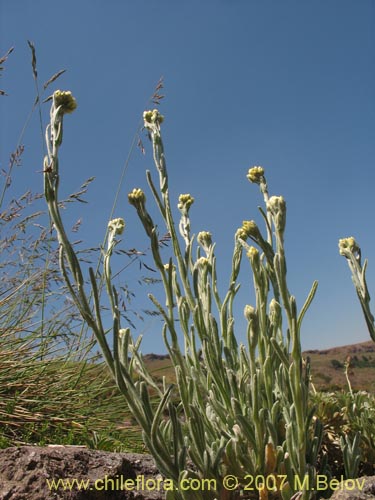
point(72, 403)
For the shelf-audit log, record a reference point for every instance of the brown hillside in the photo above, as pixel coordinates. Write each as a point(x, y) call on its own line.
point(327, 366)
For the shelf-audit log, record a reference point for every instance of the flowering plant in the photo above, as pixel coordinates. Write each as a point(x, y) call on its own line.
point(236, 410)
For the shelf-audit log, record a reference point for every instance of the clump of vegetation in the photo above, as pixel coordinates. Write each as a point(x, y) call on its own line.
point(49, 381)
point(235, 410)
point(347, 418)
point(53, 388)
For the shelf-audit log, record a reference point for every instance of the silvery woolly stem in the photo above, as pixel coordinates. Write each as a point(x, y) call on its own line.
point(152, 122)
point(62, 103)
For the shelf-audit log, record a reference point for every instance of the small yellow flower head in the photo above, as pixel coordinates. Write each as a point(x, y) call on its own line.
point(255, 174)
point(348, 247)
point(65, 100)
point(240, 233)
point(250, 228)
point(137, 197)
point(253, 256)
point(204, 238)
point(116, 226)
point(184, 202)
point(253, 253)
point(152, 117)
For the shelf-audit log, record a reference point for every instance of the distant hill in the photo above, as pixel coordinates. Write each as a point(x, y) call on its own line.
point(327, 366)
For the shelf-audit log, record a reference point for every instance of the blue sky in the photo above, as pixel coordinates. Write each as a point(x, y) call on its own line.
point(287, 85)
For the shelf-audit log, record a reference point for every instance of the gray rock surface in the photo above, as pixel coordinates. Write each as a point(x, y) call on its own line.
point(26, 470)
point(362, 488)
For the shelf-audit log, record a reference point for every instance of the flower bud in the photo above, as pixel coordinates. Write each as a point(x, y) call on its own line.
point(253, 255)
point(122, 333)
point(277, 206)
point(275, 312)
point(204, 238)
point(250, 313)
point(251, 316)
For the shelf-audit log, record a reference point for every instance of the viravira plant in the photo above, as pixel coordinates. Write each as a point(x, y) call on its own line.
point(349, 248)
point(238, 415)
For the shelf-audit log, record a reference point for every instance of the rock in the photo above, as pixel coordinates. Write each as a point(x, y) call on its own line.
point(25, 472)
point(362, 488)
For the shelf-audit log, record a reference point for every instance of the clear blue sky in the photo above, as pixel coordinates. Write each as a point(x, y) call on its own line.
point(289, 85)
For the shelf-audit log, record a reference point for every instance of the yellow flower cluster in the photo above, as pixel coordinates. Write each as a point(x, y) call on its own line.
point(240, 233)
point(136, 196)
point(185, 201)
point(152, 116)
point(116, 226)
point(255, 174)
point(64, 99)
point(250, 228)
point(347, 245)
point(253, 253)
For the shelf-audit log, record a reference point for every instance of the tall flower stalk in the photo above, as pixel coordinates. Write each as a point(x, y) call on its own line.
point(235, 410)
point(349, 248)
